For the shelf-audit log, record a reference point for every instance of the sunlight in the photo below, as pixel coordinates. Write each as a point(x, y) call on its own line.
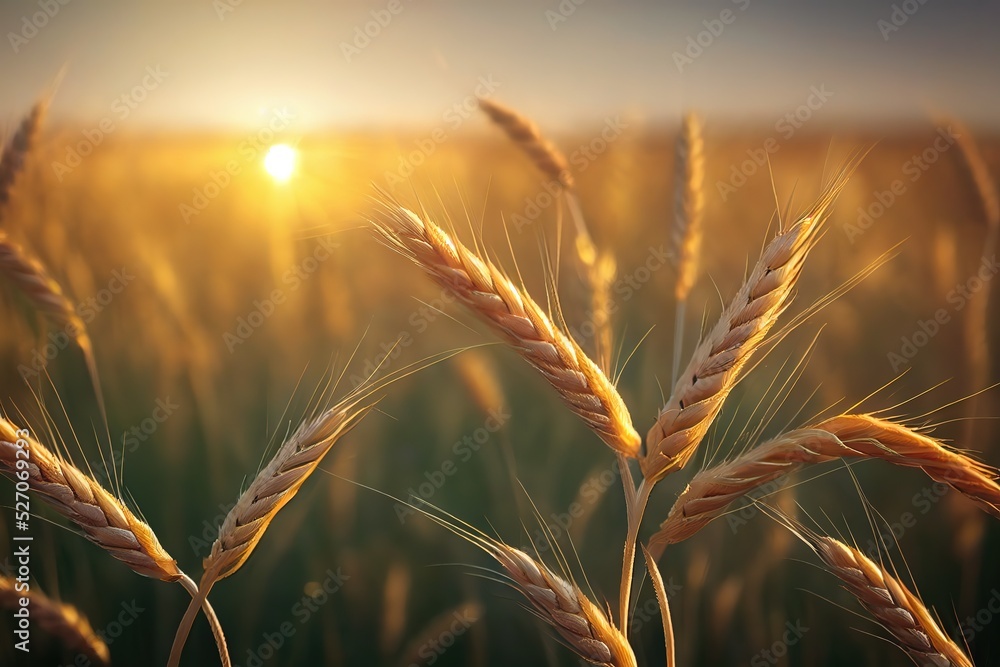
point(280, 162)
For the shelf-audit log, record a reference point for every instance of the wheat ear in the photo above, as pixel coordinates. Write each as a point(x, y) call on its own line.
point(27, 273)
point(273, 487)
point(891, 603)
point(714, 369)
point(543, 153)
point(60, 620)
point(104, 519)
point(512, 313)
point(713, 490)
point(686, 235)
point(16, 150)
point(689, 204)
point(586, 629)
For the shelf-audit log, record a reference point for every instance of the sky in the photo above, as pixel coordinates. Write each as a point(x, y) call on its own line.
point(195, 64)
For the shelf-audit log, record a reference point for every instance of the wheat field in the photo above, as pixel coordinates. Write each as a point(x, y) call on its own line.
point(385, 412)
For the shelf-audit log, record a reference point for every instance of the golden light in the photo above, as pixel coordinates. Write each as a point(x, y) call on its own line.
point(280, 162)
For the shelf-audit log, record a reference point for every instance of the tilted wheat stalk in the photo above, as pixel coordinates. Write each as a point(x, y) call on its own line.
point(689, 207)
point(713, 490)
point(891, 603)
point(522, 131)
point(104, 519)
point(714, 369)
point(273, 487)
point(599, 267)
point(512, 313)
point(17, 148)
point(60, 620)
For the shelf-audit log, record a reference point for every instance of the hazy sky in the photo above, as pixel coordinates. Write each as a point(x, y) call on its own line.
point(221, 62)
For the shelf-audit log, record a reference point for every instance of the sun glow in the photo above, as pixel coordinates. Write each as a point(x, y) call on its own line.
point(280, 162)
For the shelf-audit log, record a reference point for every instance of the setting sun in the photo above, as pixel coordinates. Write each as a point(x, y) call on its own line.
point(280, 162)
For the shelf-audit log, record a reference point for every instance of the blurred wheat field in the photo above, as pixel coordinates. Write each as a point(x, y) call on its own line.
point(212, 329)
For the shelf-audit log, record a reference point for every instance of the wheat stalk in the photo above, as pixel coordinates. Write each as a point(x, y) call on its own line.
point(543, 153)
point(273, 487)
point(714, 369)
point(712, 491)
point(686, 234)
point(16, 150)
point(104, 519)
point(891, 603)
point(60, 620)
point(27, 273)
point(512, 313)
point(689, 204)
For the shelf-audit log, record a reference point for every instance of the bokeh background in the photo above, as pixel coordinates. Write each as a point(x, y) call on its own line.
point(242, 293)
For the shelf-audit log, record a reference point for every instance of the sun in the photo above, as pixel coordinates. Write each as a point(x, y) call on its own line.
point(280, 162)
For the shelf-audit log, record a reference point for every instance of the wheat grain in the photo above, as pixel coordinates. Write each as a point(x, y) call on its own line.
point(891, 603)
point(494, 297)
point(60, 620)
point(711, 491)
point(714, 369)
point(543, 153)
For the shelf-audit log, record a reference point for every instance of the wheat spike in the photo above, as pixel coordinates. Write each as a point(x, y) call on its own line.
point(273, 487)
point(583, 625)
point(891, 603)
point(494, 297)
point(16, 150)
point(711, 491)
point(60, 620)
point(105, 520)
point(547, 158)
point(689, 204)
point(714, 369)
